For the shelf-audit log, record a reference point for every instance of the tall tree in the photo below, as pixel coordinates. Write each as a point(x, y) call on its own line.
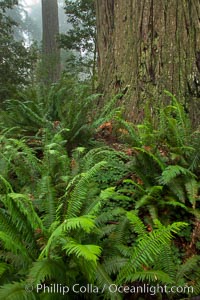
point(147, 46)
point(51, 51)
point(81, 35)
point(16, 61)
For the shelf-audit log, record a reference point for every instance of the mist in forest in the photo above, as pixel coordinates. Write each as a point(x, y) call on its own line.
point(28, 14)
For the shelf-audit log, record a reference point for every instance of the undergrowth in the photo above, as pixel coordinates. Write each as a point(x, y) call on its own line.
point(87, 197)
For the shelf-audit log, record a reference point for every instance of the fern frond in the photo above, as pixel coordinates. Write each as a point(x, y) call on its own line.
point(114, 264)
point(152, 195)
point(104, 281)
point(103, 153)
point(184, 269)
point(49, 200)
point(117, 236)
point(47, 269)
point(27, 113)
point(108, 112)
point(20, 221)
point(18, 224)
point(148, 248)
point(138, 225)
point(25, 206)
point(15, 246)
point(54, 239)
point(173, 202)
point(3, 267)
point(79, 193)
point(93, 207)
point(194, 158)
point(192, 188)
point(88, 252)
point(6, 185)
point(107, 216)
point(134, 137)
point(173, 171)
point(181, 115)
point(150, 276)
point(165, 262)
point(17, 291)
point(85, 223)
point(138, 186)
point(154, 158)
point(125, 251)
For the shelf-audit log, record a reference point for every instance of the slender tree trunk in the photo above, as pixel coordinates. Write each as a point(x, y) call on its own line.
point(147, 46)
point(51, 52)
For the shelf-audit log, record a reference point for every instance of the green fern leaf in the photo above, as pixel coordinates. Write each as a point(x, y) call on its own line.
point(46, 269)
point(138, 225)
point(173, 171)
point(192, 188)
point(150, 276)
point(3, 267)
point(152, 157)
point(85, 223)
point(14, 245)
point(104, 281)
point(148, 248)
point(88, 252)
point(114, 264)
point(189, 265)
point(17, 291)
point(79, 193)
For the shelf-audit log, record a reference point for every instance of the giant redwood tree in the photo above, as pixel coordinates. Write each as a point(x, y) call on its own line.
point(146, 46)
point(51, 52)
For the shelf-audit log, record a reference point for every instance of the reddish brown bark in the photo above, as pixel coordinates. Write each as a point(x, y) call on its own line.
point(51, 52)
point(148, 46)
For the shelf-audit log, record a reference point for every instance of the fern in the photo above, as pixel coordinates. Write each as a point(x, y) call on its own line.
point(104, 281)
point(80, 191)
point(192, 188)
point(108, 112)
point(148, 247)
point(3, 268)
point(106, 216)
point(47, 269)
point(186, 268)
point(138, 225)
point(133, 138)
point(166, 262)
point(84, 222)
point(178, 125)
point(152, 196)
point(15, 245)
point(25, 206)
point(173, 171)
point(181, 117)
point(152, 157)
point(49, 196)
point(194, 158)
point(114, 264)
point(17, 291)
point(88, 252)
point(20, 222)
point(150, 276)
point(103, 153)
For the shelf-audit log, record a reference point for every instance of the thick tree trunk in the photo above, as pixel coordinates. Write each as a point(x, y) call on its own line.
point(51, 52)
point(147, 46)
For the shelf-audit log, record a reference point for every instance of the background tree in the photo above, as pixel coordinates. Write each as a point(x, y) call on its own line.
point(145, 47)
point(15, 59)
point(51, 51)
point(80, 38)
